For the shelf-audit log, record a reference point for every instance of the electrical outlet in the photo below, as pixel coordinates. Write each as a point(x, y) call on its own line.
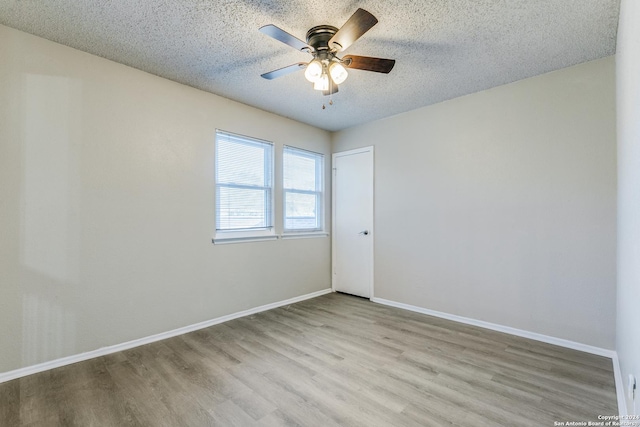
point(631, 387)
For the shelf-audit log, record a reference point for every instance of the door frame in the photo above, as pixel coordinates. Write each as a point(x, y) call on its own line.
point(368, 149)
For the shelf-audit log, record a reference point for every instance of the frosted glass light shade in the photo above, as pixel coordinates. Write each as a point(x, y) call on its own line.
point(322, 83)
point(313, 71)
point(338, 73)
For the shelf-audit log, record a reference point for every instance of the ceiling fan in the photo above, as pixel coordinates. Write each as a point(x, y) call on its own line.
point(326, 70)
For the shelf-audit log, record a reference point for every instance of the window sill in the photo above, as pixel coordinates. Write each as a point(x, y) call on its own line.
point(303, 235)
point(245, 239)
point(226, 240)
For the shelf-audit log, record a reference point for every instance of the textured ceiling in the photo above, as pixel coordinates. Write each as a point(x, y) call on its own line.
point(443, 48)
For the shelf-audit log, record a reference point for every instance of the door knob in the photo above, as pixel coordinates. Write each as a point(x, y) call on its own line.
point(365, 232)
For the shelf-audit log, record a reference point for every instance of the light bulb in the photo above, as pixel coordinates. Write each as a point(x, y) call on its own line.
point(322, 83)
point(338, 73)
point(313, 71)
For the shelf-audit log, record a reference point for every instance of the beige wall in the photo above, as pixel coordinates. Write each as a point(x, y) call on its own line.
point(628, 103)
point(106, 206)
point(501, 206)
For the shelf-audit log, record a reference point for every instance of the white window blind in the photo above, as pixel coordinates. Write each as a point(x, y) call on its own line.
point(303, 190)
point(244, 176)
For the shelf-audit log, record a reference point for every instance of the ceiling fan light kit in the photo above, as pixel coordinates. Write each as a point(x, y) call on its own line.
point(326, 70)
point(322, 83)
point(313, 71)
point(338, 73)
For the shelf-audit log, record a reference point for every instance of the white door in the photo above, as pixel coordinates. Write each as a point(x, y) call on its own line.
point(353, 222)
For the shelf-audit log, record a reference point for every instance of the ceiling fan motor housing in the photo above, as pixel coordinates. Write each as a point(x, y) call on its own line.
point(318, 37)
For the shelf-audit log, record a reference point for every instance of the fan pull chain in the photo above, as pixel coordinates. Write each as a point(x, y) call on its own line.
point(331, 83)
point(330, 102)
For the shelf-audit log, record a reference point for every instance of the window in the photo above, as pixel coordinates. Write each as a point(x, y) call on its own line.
point(302, 189)
point(244, 190)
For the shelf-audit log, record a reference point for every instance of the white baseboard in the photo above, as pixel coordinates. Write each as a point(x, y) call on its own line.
point(612, 354)
point(29, 370)
point(501, 328)
point(617, 374)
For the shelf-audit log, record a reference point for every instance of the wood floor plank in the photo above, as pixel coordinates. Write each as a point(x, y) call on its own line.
point(334, 360)
point(228, 414)
point(10, 402)
point(254, 405)
point(292, 406)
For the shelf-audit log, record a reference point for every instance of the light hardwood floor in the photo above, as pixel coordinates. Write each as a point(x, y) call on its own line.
point(335, 360)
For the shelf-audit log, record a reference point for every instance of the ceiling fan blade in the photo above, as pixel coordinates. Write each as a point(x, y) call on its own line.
point(333, 88)
point(378, 65)
point(283, 71)
point(284, 37)
point(359, 23)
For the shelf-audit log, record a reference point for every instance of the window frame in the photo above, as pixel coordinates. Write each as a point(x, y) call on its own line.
point(319, 193)
point(247, 234)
